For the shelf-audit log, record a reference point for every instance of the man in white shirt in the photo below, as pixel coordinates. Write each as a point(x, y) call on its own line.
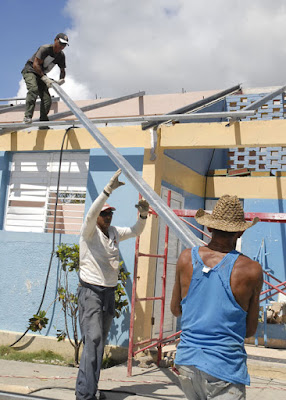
point(99, 266)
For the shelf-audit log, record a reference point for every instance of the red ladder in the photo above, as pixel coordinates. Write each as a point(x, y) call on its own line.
point(154, 341)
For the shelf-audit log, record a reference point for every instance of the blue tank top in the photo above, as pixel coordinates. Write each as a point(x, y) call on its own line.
point(213, 323)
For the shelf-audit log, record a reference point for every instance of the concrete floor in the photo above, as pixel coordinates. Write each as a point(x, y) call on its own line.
point(267, 368)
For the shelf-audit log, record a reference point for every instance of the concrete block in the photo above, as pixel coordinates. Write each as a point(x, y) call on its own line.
point(217, 172)
point(260, 173)
point(276, 313)
point(238, 172)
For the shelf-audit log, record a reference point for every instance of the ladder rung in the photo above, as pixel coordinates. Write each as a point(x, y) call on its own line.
point(149, 298)
point(151, 255)
point(145, 341)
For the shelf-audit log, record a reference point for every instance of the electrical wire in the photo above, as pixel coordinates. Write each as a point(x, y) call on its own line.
point(207, 171)
point(129, 392)
point(54, 236)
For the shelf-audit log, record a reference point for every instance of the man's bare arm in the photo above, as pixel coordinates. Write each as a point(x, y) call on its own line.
point(182, 281)
point(253, 310)
point(176, 296)
point(62, 73)
point(37, 66)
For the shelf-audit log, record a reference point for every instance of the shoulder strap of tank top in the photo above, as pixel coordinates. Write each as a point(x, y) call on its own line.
point(195, 258)
point(226, 266)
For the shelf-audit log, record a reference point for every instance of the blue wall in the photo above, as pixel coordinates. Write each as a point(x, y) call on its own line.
point(25, 256)
point(24, 265)
point(200, 160)
point(219, 106)
point(274, 235)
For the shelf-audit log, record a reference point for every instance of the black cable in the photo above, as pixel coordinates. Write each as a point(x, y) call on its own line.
point(54, 236)
point(129, 392)
point(205, 188)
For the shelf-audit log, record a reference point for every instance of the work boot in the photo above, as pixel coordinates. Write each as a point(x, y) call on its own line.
point(100, 395)
point(27, 120)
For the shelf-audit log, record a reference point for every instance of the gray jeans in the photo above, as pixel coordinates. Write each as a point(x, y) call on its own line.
point(96, 311)
point(198, 385)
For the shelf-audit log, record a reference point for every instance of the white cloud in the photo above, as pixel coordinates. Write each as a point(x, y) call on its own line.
point(161, 46)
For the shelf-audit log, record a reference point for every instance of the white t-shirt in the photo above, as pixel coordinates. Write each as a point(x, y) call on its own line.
point(99, 255)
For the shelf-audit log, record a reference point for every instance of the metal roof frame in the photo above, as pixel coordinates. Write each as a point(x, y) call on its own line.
point(119, 120)
point(98, 105)
point(7, 128)
point(258, 103)
point(18, 107)
point(196, 106)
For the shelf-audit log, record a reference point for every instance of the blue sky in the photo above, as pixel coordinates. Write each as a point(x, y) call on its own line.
point(118, 47)
point(24, 26)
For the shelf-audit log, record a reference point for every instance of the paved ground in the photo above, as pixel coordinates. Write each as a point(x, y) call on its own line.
point(31, 381)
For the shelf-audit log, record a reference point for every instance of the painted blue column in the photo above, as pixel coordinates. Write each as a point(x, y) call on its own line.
point(4, 181)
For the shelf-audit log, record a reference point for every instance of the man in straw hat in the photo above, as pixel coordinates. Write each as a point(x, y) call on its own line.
point(217, 293)
point(98, 276)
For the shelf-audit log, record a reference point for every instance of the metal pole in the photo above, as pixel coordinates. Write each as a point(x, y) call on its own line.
point(13, 99)
point(197, 104)
point(177, 117)
point(164, 278)
point(187, 238)
point(132, 315)
point(97, 105)
point(265, 99)
point(258, 103)
point(18, 107)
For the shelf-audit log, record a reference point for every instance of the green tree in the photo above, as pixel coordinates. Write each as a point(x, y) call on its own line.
point(69, 264)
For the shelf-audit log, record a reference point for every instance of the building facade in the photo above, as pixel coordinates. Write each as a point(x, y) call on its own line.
point(187, 157)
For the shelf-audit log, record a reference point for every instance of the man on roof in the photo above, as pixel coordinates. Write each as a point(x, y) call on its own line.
point(217, 292)
point(36, 79)
point(98, 276)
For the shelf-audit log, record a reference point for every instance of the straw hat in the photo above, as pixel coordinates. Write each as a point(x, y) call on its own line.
point(227, 215)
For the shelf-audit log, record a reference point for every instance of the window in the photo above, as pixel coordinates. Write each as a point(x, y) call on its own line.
point(32, 192)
